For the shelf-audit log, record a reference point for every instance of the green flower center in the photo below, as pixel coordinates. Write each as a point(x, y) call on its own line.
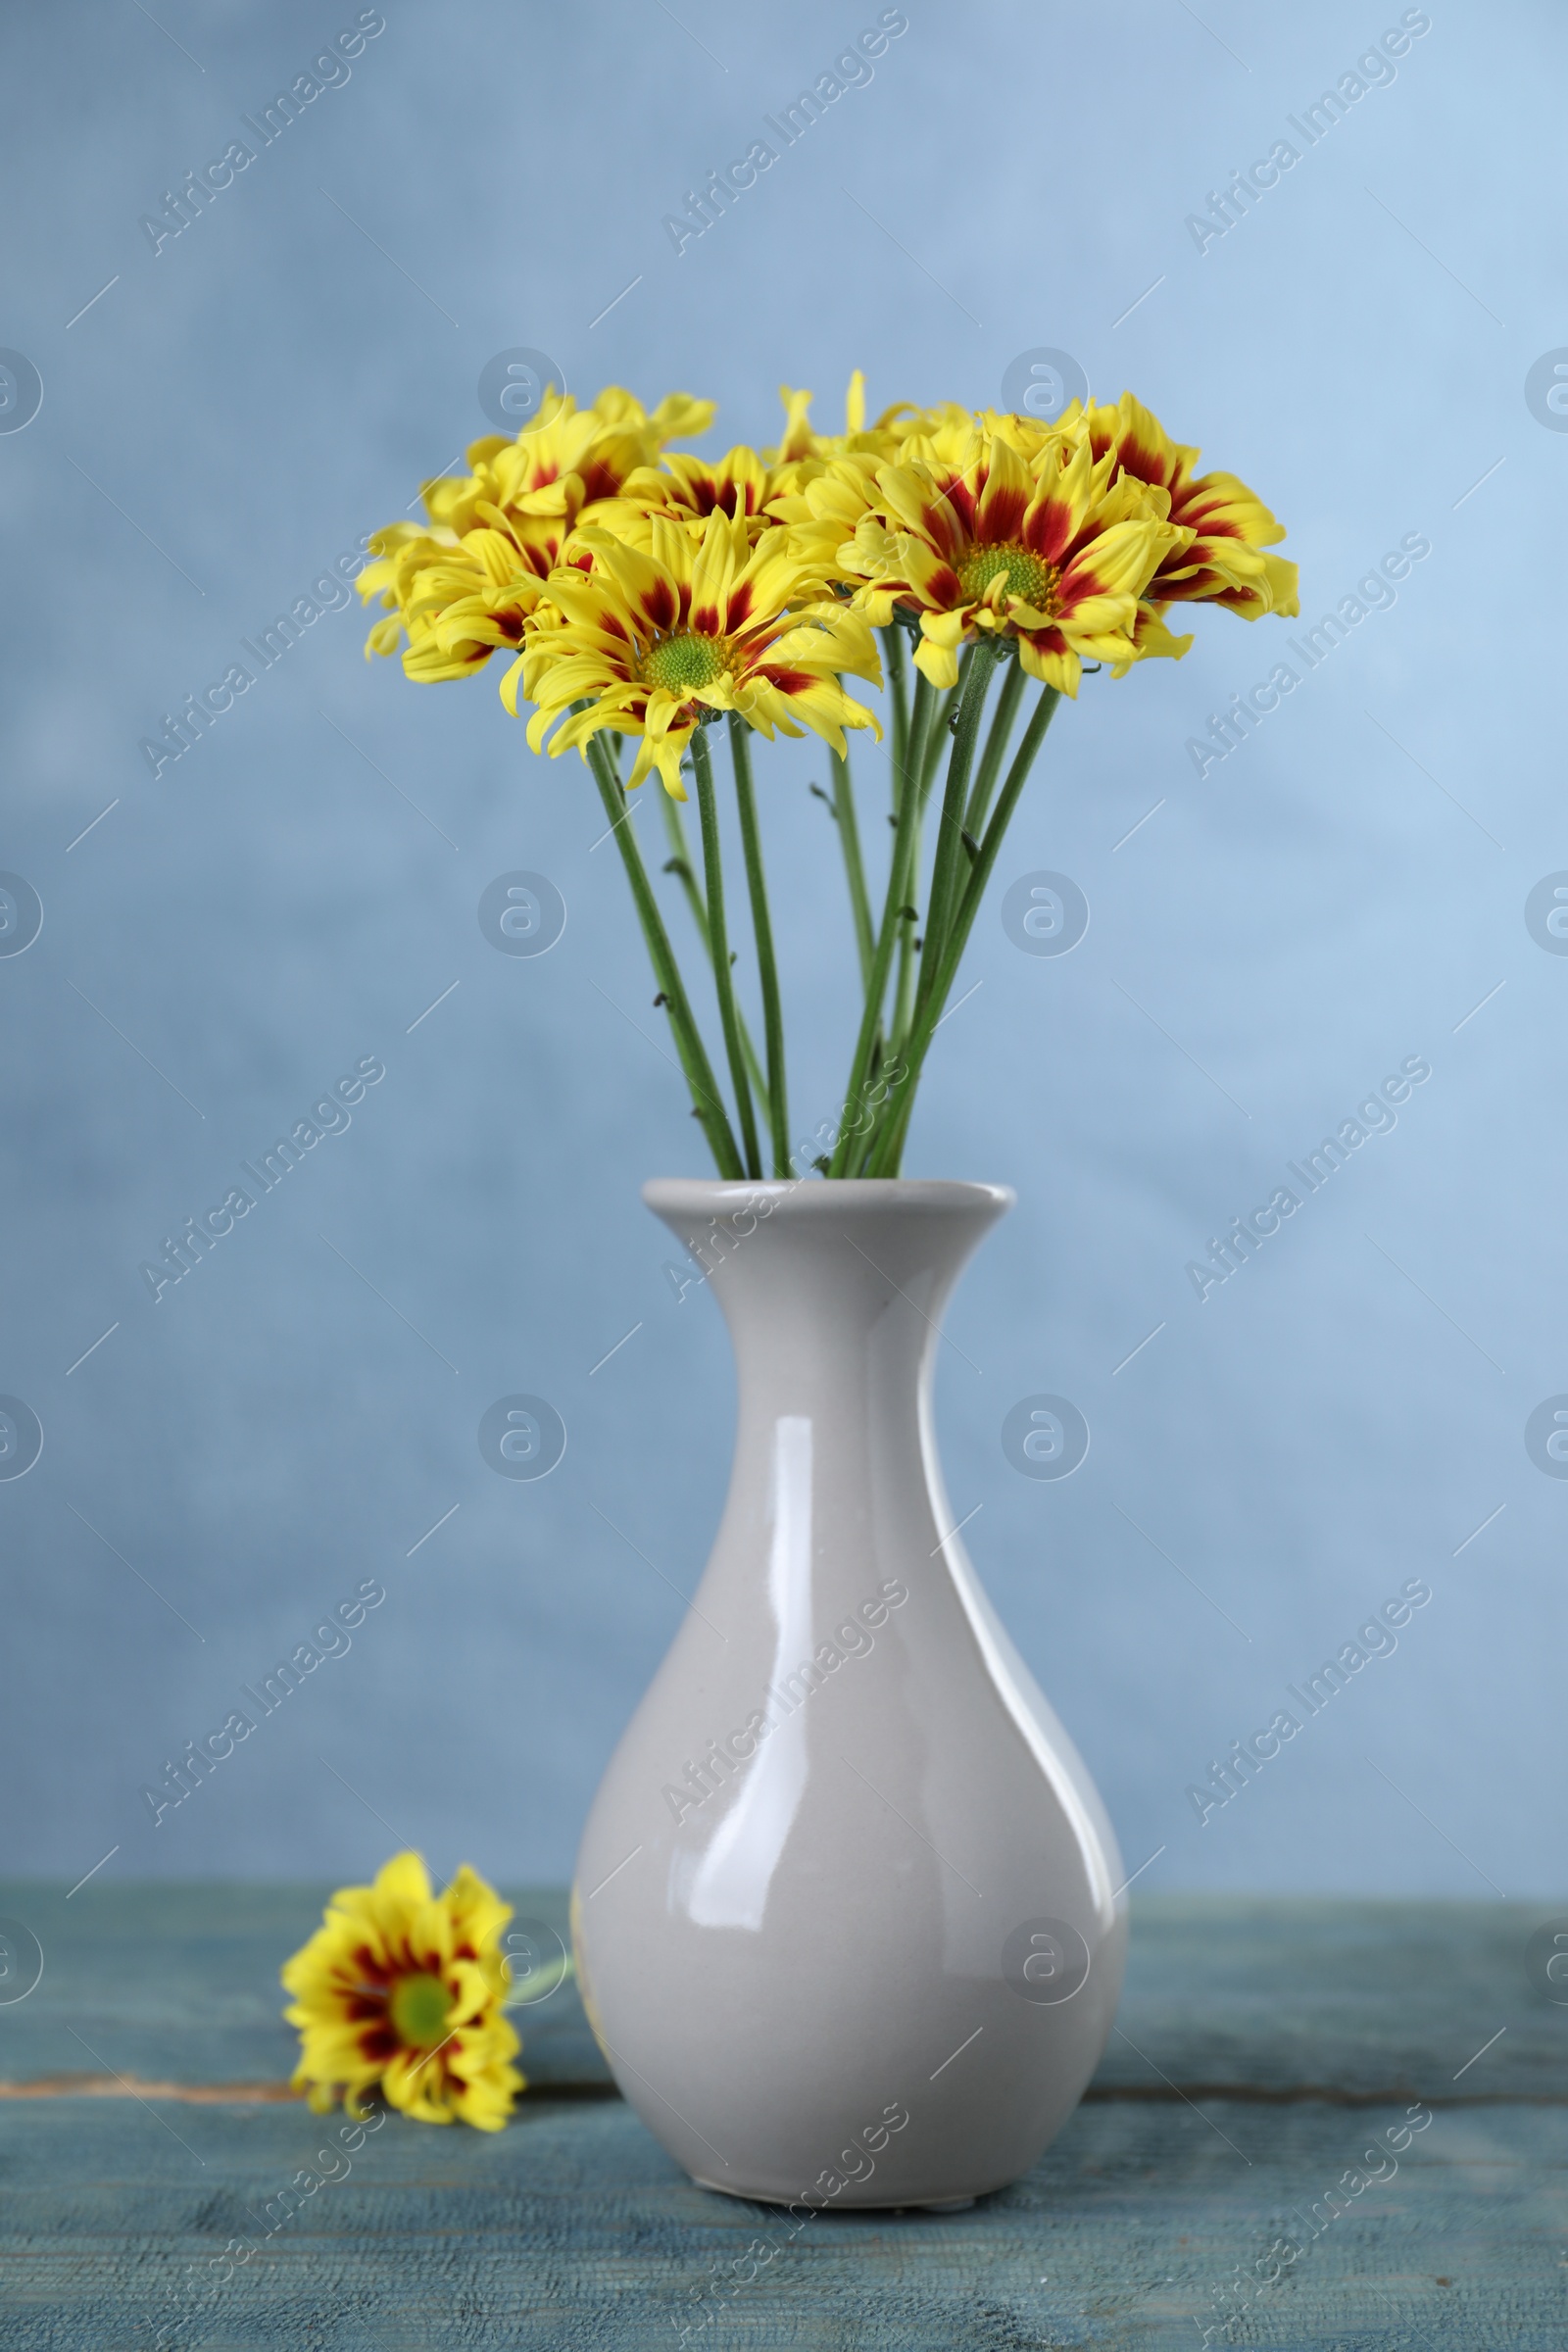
point(683, 665)
point(1023, 574)
point(420, 2007)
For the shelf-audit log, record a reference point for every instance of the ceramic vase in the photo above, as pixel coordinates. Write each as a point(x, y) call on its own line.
point(848, 1910)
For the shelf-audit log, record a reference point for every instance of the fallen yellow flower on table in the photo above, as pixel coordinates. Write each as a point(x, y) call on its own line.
point(401, 1990)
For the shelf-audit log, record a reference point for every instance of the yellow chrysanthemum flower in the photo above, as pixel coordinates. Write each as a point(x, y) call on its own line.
point(655, 637)
point(805, 450)
point(594, 448)
point(758, 485)
point(401, 1990)
point(800, 441)
point(687, 489)
point(1055, 554)
point(824, 484)
point(467, 582)
point(455, 603)
point(1224, 559)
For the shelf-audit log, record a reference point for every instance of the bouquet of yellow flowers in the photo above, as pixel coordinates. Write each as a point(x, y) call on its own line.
point(643, 595)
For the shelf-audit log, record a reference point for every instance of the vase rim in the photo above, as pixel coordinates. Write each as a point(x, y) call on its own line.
point(823, 1196)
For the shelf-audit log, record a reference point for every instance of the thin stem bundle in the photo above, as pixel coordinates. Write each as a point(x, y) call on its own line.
point(914, 967)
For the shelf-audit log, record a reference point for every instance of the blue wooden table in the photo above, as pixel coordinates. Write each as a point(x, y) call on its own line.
point(1318, 2125)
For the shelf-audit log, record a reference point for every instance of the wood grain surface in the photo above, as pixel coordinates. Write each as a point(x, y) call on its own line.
point(1218, 2178)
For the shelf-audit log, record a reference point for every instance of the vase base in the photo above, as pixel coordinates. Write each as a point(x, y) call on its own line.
point(762, 2196)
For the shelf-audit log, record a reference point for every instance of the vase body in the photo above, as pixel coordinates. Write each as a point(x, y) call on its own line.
point(847, 1908)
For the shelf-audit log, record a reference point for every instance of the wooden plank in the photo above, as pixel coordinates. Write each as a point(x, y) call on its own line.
point(1284, 1994)
point(179, 1984)
point(1281, 1996)
point(571, 2228)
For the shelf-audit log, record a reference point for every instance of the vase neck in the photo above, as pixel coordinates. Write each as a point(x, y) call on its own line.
point(813, 1277)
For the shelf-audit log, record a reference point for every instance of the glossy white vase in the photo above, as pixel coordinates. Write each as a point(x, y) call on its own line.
point(847, 1909)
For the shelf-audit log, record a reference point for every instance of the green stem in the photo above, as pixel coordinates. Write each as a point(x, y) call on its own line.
point(898, 688)
point(706, 1098)
point(854, 863)
point(719, 943)
point(909, 802)
point(909, 954)
point(861, 1142)
point(909, 923)
point(682, 865)
point(997, 741)
point(888, 1149)
point(942, 732)
point(924, 769)
point(763, 927)
point(949, 846)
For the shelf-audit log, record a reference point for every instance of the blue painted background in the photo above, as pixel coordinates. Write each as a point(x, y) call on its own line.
point(287, 899)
